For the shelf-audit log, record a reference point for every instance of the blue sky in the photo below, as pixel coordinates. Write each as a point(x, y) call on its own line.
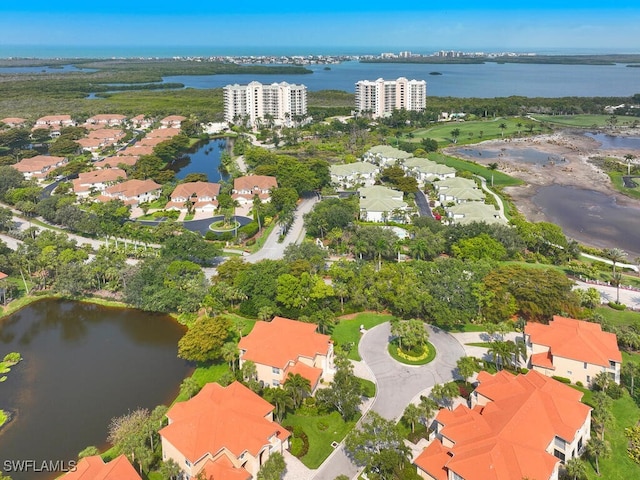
point(497, 25)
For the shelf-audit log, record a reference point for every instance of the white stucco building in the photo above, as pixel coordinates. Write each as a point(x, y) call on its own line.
point(281, 103)
point(381, 97)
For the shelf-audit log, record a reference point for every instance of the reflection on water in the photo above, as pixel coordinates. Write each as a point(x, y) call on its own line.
point(591, 217)
point(204, 159)
point(83, 364)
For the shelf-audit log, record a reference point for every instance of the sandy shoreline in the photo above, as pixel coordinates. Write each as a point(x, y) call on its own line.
point(568, 151)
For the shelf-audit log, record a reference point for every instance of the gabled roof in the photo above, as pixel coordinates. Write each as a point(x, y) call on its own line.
point(217, 418)
point(249, 182)
point(312, 374)
point(354, 168)
point(576, 340)
point(196, 189)
point(222, 468)
point(425, 165)
point(132, 188)
point(282, 340)
point(37, 163)
point(388, 151)
point(508, 437)
point(113, 162)
point(94, 468)
point(163, 133)
point(98, 176)
point(455, 182)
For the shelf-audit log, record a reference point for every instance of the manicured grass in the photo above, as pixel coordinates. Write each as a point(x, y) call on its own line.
point(240, 322)
point(368, 388)
point(393, 351)
point(617, 317)
point(320, 440)
point(3, 418)
point(348, 331)
point(467, 327)
point(499, 179)
point(479, 344)
point(476, 131)
point(618, 183)
point(263, 238)
point(618, 466)
point(210, 373)
point(584, 121)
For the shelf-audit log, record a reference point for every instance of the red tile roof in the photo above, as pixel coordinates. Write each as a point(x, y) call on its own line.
point(94, 468)
point(13, 121)
point(3, 275)
point(132, 188)
point(219, 417)
point(222, 468)
point(251, 182)
point(113, 162)
point(38, 163)
point(312, 374)
point(282, 340)
point(576, 340)
point(196, 189)
point(543, 359)
point(163, 133)
point(507, 438)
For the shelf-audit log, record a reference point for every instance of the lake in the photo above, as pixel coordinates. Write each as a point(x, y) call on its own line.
point(462, 80)
point(204, 159)
point(612, 142)
point(591, 217)
point(83, 365)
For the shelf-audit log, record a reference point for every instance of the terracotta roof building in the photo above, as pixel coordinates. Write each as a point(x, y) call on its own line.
point(284, 346)
point(39, 166)
point(97, 180)
point(245, 188)
point(113, 162)
point(573, 349)
point(519, 427)
point(107, 119)
point(172, 121)
point(202, 195)
point(94, 468)
point(13, 121)
point(225, 432)
point(54, 121)
point(132, 192)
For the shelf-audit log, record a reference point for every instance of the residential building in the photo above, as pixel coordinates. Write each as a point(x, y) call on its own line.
point(463, 213)
point(50, 121)
point(355, 174)
point(94, 468)
point(572, 349)
point(97, 181)
point(256, 104)
point(380, 97)
point(39, 166)
point(247, 187)
point(132, 192)
point(425, 170)
point(113, 162)
point(458, 190)
point(518, 427)
point(172, 121)
point(107, 119)
point(386, 155)
point(283, 346)
point(203, 197)
point(164, 133)
point(141, 122)
point(382, 204)
point(223, 432)
point(13, 121)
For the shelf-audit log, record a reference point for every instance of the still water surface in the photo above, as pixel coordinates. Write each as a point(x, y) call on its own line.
point(205, 158)
point(83, 365)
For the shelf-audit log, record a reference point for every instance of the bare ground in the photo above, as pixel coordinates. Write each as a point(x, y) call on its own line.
point(575, 170)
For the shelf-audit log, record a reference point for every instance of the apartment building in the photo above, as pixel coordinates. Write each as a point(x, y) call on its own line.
point(257, 104)
point(381, 97)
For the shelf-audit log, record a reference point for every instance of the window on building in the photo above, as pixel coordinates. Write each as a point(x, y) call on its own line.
point(275, 370)
point(612, 364)
point(585, 365)
point(558, 454)
point(275, 383)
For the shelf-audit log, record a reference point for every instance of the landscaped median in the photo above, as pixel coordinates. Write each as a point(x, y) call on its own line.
point(420, 355)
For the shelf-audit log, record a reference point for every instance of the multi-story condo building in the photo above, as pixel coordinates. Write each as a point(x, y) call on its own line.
point(381, 97)
point(279, 103)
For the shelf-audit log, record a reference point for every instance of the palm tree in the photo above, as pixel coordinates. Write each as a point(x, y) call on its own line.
point(466, 367)
point(616, 255)
point(230, 354)
point(597, 448)
point(298, 387)
point(412, 414)
point(380, 247)
point(502, 126)
point(455, 133)
point(280, 399)
point(576, 468)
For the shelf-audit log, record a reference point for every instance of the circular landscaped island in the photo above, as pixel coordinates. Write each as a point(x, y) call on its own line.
point(410, 342)
point(420, 355)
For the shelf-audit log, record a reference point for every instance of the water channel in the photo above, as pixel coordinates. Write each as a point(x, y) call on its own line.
point(83, 365)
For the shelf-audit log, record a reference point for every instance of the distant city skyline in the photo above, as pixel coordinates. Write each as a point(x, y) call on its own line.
point(464, 25)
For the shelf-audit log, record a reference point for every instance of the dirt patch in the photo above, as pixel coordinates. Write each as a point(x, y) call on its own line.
point(570, 152)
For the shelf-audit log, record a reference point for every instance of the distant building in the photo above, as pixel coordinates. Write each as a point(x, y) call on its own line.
point(94, 468)
point(256, 104)
point(247, 187)
point(385, 155)
point(39, 166)
point(203, 196)
point(13, 121)
point(132, 192)
point(355, 174)
point(381, 97)
point(107, 119)
point(382, 204)
point(97, 180)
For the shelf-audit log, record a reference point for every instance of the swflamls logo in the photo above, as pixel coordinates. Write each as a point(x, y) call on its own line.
point(39, 466)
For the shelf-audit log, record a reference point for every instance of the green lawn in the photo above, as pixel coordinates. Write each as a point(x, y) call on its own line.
point(616, 179)
point(479, 344)
point(393, 351)
point(617, 317)
point(348, 331)
point(368, 388)
point(499, 179)
point(322, 430)
point(583, 121)
point(476, 131)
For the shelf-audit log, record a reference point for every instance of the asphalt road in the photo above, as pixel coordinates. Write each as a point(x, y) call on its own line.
point(397, 384)
point(423, 204)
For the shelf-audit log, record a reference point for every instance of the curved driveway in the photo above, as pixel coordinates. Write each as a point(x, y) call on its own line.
point(397, 384)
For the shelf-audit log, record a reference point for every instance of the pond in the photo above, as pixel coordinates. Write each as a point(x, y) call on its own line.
point(612, 142)
point(205, 158)
point(83, 365)
point(527, 155)
point(592, 217)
